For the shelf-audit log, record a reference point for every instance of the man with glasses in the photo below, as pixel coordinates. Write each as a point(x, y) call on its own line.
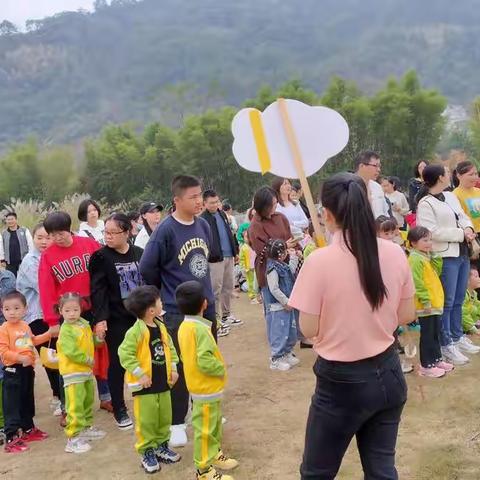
point(368, 167)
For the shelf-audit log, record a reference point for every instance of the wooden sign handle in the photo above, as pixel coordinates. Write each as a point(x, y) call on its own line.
point(297, 159)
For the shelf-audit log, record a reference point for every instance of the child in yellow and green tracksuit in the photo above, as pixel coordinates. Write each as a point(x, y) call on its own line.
point(429, 299)
point(247, 264)
point(75, 349)
point(150, 361)
point(471, 305)
point(205, 375)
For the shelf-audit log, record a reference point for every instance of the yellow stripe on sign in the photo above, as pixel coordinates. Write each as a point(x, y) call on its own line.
point(260, 142)
point(205, 433)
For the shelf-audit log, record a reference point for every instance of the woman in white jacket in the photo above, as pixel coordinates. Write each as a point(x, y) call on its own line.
point(91, 226)
point(451, 228)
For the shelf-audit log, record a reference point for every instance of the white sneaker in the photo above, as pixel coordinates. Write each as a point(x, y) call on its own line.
point(280, 364)
point(77, 445)
point(56, 406)
point(92, 433)
point(178, 436)
point(451, 355)
point(465, 345)
point(232, 321)
point(223, 330)
point(291, 359)
point(406, 367)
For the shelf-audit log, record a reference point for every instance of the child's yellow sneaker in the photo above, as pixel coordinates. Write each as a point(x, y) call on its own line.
point(224, 463)
point(212, 474)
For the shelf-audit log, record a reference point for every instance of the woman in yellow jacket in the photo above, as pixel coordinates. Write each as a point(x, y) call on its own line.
point(150, 361)
point(467, 192)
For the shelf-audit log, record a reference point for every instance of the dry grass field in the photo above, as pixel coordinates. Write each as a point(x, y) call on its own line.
point(266, 415)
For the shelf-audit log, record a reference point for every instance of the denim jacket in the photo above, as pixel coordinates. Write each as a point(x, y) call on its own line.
point(279, 292)
point(27, 283)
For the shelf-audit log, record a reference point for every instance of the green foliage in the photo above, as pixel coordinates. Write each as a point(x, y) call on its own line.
point(150, 60)
point(124, 166)
point(474, 127)
point(58, 175)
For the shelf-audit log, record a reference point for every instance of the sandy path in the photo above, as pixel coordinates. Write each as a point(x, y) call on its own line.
point(266, 415)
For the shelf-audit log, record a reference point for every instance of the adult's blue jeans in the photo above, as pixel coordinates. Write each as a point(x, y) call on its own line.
point(454, 278)
point(364, 399)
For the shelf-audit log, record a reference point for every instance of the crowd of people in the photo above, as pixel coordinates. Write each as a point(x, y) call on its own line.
point(140, 300)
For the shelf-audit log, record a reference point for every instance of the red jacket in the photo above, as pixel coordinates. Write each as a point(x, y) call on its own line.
point(62, 270)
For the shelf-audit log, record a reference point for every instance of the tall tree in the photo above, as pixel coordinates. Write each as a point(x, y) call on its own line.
point(7, 28)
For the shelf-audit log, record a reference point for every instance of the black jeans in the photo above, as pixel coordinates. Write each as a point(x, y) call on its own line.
point(116, 373)
point(363, 399)
point(18, 399)
point(180, 395)
point(38, 327)
point(430, 353)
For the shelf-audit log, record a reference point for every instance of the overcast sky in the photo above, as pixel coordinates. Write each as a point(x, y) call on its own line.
point(18, 11)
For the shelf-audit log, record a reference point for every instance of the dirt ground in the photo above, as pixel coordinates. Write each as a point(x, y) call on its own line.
point(266, 413)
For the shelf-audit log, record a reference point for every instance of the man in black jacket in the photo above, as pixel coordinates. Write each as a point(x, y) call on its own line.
point(223, 254)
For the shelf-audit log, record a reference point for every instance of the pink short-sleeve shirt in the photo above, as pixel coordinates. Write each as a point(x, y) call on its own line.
point(329, 286)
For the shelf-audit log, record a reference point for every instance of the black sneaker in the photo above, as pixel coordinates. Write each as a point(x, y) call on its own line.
point(165, 455)
point(149, 461)
point(123, 421)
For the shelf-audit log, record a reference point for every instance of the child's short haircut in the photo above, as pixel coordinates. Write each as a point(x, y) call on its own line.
point(417, 233)
point(58, 222)
point(141, 299)
point(385, 224)
point(15, 295)
point(190, 297)
point(180, 183)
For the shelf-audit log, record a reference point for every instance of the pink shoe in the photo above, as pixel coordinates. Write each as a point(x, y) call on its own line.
point(15, 446)
point(432, 372)
point(34, 435)
point(448, 367)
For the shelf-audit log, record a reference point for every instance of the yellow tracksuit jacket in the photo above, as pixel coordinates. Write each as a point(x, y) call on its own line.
point(203, 364)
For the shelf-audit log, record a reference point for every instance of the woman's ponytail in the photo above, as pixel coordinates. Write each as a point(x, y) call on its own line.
point(345, 195)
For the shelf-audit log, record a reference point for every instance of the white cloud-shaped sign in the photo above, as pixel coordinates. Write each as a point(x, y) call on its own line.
point(261, 145)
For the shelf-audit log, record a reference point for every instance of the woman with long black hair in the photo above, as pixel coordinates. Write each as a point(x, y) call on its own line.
point(352, 295)
point(114, 273)
point(440, 211)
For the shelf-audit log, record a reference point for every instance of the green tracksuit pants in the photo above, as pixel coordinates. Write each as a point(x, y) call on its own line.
point(2, 421)
point(153, 418)
point(207, 427)
point(79, 399)
point(250, 276)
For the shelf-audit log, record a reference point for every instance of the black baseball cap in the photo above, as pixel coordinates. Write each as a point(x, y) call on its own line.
point(149, 207)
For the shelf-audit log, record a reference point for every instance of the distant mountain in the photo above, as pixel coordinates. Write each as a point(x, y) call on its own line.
point(74, 72)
